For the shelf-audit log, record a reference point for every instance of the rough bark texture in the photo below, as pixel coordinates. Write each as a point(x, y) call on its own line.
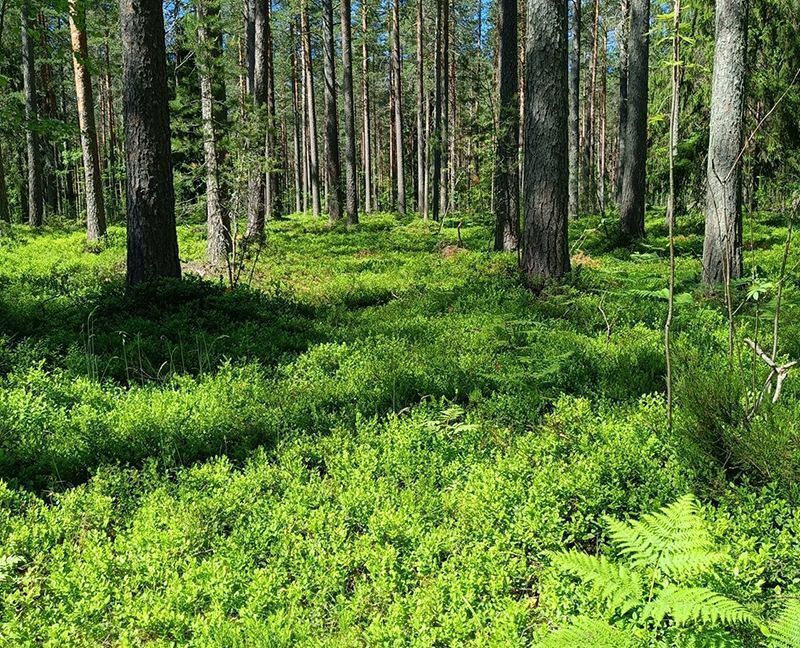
point(256, 201)
point(95, 205)
point(298, 118)
point(152, 239)
point(444, 73)
point(722, 251)
point(437, 117)
point(420, 63)
point(5, 214)
point(271, 153)
point(351, 171)
point(35, 194)
point(545, 251)
point(332, 170)
point(311, 112)
point(574, 109)
point(625, 13)
point(218, 243)
point(506, 173)
point(634, 166)
point(365, 106)
point(400, 174)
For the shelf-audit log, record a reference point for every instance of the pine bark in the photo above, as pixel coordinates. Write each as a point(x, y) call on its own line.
point(351, 169)
point(400, 174)
point(272, 151)
point(152, 238)
point(256, 201)
point(5, 214)
point(634, 166)
point(506, 173)
point(218, 244)
point(332, 168)
point(444, 74)
point(311, 112)
point(296, 124)
point(95, 204)
point(366, 112)
point(574, 110)
point(624, 30)
point(437, 115)
point(35, 189)
point(722, 250)
point(420, 63)
point(545, 249)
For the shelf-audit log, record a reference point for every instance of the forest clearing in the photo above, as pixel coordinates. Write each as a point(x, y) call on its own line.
point(399, 323)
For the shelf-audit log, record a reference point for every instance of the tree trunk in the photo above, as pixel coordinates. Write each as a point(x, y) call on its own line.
point(5, 214)
point(545, 252)
point(273, 159)
point(590, 123)
point(445, 101)
point(311, 111)
point(574, 110)
point(624, 30)
point(256, 200)
point(437, 115)
point(332, 170)
point(152, 238)
point(421, 197)
point(218, 244)
point(451, 129)
point(366, 117)
point(506, 173)
point(722, 250)
point(634, 166)
point(398, 111)
point(297, 118)
point(250, 37)
point(351, 194)
point(35, 189)
point(95, 205)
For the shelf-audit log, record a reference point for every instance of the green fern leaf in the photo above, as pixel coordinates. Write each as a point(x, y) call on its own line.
point(618, 586)
point(696, 604)
point(784, 631)
point(674, 540)
point(585, 633)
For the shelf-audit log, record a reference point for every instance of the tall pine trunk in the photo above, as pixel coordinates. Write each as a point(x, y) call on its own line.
point(271, 151)
point(437, 115)
point(722, 250)
point(351, 193)
point(95, 204)
point(444, 75)
point(624, 30)
point(332, 169)
point(297, 118)
point(218, 244)
point(5, 214)
point(634, 166)
point(256, 201)
point(366, 117)
point(35, 190)
point(152, 238)
point(421, 173)
point(506, 173)
point(574, 110)
point(311, 112)
point(545, 248)
point(400, 174)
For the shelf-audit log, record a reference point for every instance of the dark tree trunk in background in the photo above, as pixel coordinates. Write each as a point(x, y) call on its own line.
point(634, 165)
point(506, 173)
point(332, 170)
point(5, 214)
point(273, 194)
point(437, 116)
point(256, 205)
point(444, 74)
point(311, 112)
point(574, 110)
point(351, 193)
point(397, 68)
point(95, 204)
point(366, 143)
point(545, 249)
point(422, 198)
point(250, 37)
point(218, 244)
point(152, 238)
point(722, 250)
point(296, 122)
point(35, 190)
point(624, 29)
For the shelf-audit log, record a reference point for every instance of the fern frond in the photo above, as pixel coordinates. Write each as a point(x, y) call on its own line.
point(784, 631)
point(675, 540)
point(620, 587)
point(688, 604)
point(586, 632)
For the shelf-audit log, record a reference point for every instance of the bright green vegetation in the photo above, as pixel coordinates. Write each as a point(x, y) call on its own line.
point(384, 440)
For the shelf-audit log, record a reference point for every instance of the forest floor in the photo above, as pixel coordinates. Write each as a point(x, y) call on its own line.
point(378, 439)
